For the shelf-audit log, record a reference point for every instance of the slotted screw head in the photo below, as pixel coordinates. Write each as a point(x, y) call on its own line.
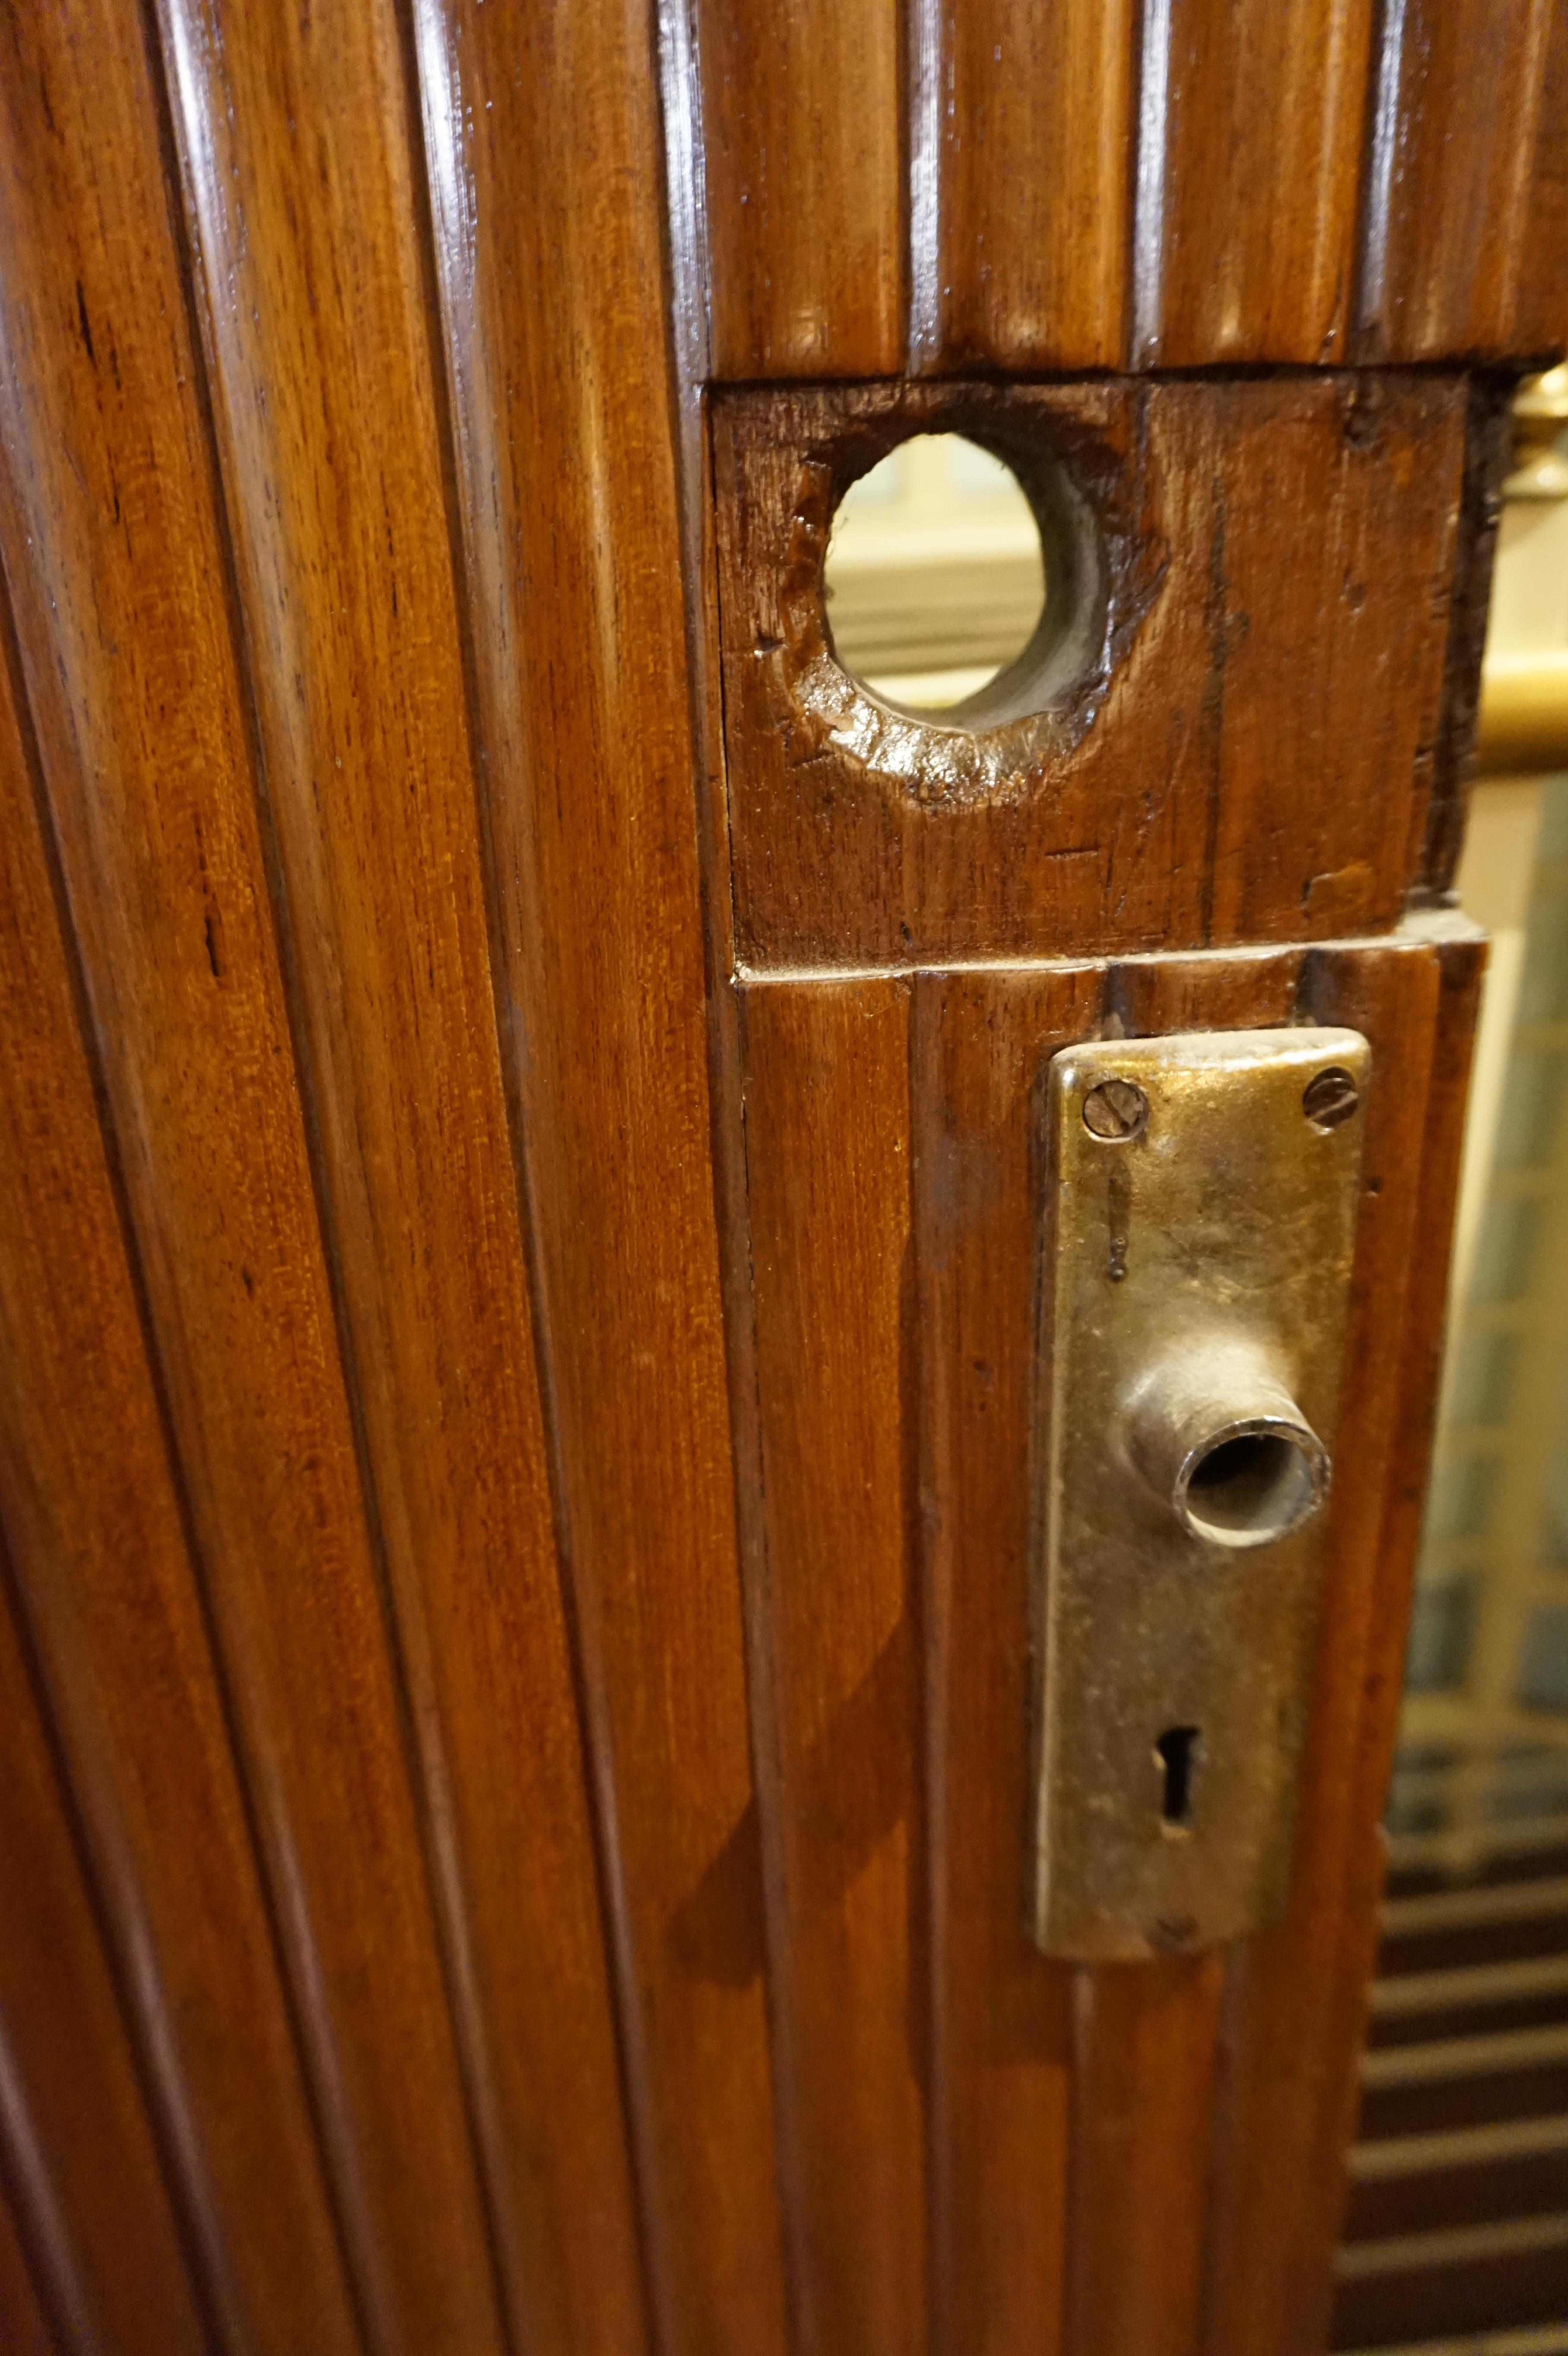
point(1330, 1098)
point(1115, 1111)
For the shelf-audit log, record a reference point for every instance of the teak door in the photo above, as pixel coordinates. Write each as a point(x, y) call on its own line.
point(520, 1199)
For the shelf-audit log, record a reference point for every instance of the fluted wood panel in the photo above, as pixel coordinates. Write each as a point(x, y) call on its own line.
point(75, 2143)
point(294, 137)
point(1134, 183)
point(514, 1744)
point(1466, 208)
point(1295, 2002)
point(1251, 138)
point(1000, 2070)
point(826, 1077)
point(22, 2317)
point(112, 545)
point(107, 1586)
point(801, 122)
point(1019, 119)
point(543, 141)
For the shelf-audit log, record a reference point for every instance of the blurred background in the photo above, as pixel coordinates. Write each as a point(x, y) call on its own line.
point(1456, 2235)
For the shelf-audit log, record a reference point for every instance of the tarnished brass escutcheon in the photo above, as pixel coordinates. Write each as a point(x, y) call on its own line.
point(1202, 1214)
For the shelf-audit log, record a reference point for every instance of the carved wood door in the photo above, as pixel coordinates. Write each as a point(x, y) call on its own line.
point(519, 1087)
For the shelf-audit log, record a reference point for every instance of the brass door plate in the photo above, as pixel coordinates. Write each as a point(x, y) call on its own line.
point(1198, 1267)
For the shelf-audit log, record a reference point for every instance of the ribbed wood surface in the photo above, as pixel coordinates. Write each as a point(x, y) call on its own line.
point(1134, 184)
point(514, 1433)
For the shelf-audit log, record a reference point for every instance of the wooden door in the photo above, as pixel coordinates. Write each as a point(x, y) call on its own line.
point(516, 1331)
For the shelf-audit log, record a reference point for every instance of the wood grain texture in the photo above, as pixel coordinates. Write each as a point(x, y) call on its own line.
point(828, 1148)
point(1460, 971)
point(1249, 181)
point(543, 145)
point(106, 1583)
point(25, 2328)
point(801, 123)
point(1142, 2081)
point(294, 142)
point(75, 2143)
point(1278, 555)
point(118, 575)
point(1466, 207)
point(1020, 256)
point(1001, 2016)
point(1292, 2020)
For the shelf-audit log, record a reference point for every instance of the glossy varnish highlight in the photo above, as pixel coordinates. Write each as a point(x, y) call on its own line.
point(514, 1673)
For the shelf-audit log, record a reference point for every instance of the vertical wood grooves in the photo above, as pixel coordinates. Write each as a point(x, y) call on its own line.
point(347, 503)
point(185, 2182)
point(1298, 176)
point(1149, 184)
point(592, 1750)
point(556, 320)
point(31, 2331)
point(130, 1940)
point(185, 232)
point(828, 1077)
point(152, 2043)
point(224, 1202)
point(691, 342)
point(1267, 2269)
point(330, 2139)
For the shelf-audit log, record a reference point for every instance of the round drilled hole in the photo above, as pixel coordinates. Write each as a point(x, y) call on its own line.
point(1246, 1488)
point(955, 593)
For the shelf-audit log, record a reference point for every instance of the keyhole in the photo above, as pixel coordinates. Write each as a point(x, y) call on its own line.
point(1178, 1751)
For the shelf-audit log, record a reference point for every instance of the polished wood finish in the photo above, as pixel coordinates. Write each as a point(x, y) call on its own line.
point(1244, 245)
point(800, 121)
point(112, 541)
point(1001, 2019)
point(22, 2317)
point(1466, 196)
point(76, 2146)
point(1245, 647)
point(299, 180)
point(1021, 198)
point(828, 1125)
point(1188, 183)
point(520, 1369)
point(108, 1590)
point(1294, 2012)
point(541, 131)
point(1085, 2136)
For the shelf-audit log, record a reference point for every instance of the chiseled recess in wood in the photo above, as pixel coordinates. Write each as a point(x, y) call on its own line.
point(1467, 202)
point(1280, 553)
point(294, 142)
point(117, 571)
point(1020, 187)
point(1285, 2019)
point(543, 142)
point(801, 112)
point(75, 2144)
point(1000, 2014)
point(1246, 233)
point(25, 2330)
point(103, 1580)
point(828, 1151)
